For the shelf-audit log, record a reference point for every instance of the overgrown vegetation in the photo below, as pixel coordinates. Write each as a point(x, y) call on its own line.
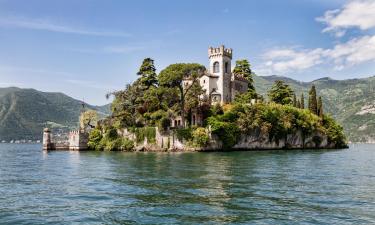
point(156, 100)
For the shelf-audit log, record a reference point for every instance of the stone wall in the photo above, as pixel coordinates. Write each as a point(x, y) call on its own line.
point(169, 142)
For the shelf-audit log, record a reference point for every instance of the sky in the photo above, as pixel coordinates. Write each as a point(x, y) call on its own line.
point(88, 48)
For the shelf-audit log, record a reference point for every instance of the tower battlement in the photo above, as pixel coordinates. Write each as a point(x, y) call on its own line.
point(220, 51)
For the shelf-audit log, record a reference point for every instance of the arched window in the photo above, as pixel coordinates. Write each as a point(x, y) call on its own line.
point(216, 67)
point(226, 67)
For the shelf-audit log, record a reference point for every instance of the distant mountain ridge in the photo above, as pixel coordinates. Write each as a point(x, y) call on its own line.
point(24, 112)
point(351, 102)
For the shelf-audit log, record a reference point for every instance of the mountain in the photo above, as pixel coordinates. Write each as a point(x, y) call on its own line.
point(351, 102)
point(24, 112)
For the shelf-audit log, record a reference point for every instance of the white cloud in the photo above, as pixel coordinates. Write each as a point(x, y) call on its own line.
point(283, 60)
point(353, 52)
point(355, 14)
point(47, 25)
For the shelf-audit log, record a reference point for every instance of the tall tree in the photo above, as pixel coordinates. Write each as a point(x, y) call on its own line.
point(294, 100)
point(313, 104)
point(302, 101)
point(147, 73)
point(243, 69)
point(184, 77)
point(320, 106)
point(281, 93)
point(298, 105)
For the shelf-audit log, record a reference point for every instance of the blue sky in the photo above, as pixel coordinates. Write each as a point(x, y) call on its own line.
point(87, 48)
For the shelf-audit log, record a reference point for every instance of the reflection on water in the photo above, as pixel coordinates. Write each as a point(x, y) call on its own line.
point(264, 187)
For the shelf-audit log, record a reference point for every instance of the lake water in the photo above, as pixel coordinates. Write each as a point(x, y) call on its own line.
point(259, 187)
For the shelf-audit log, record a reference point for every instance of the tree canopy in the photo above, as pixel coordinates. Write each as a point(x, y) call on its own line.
point(281, 93)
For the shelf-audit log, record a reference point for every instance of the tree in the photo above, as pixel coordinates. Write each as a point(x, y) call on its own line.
point(313, 105)
point(320, 107)
point(294, 100)
point(281, 93)
point(147, 73)
point(181, 76)
point(88, 119)
point(125, 106)
point(302, 101)
point(298, 105)
point(242, 68)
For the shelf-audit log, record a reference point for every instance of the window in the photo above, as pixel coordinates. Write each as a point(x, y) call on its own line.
point(216, 67)
point(226, 67)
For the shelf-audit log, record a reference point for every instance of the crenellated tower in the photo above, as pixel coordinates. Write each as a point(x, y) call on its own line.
point(220, 66)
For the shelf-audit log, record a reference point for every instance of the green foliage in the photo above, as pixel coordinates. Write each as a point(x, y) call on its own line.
point(145, 132)
point(200, 137)
point(94, 139)
point(88, 119)
point(228, 132)
point(242, 68)
point(216, 109)
point(281, 93)
point(147, 73)
point(110, 141)
point(302, 101)
point(320, 107)
point(280, 120)
point(334, 131)
point(182, 78)
point(313, 104)
point(164, 123)
point(294, 100)
point(184, 134)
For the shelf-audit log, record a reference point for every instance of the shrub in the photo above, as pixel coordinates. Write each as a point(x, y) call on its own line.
point(164, 123)
point(145, 132)
point(184, 134)
point(228, 132)
point(94, 139)
point(200, 137)
point(334, 131)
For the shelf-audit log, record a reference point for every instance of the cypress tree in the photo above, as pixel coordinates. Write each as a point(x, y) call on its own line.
point(313, 104)
point(147, 73)
point(294, 100)
point(298, 104)
point(320, 106)
point(302, 106)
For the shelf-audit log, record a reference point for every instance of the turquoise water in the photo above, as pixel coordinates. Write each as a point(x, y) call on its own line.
point(269, 187)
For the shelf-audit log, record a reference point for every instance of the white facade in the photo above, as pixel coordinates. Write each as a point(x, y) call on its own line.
point(219, 82)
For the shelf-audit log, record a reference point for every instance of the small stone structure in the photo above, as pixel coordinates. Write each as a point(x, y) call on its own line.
point(78, 140)
point(47, 141)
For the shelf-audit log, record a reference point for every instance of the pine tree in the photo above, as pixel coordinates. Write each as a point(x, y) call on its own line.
point(302, 106)
point(243, 69)
point(313, 105)
point(147, 73)
point(320, 106)
point(294, 100)
point(281, 93)
point(298, 105)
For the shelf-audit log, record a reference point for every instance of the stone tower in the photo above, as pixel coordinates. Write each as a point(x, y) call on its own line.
point(220, 66)
point(47, 142)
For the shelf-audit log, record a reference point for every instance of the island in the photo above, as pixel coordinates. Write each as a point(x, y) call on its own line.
point(187, 107)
